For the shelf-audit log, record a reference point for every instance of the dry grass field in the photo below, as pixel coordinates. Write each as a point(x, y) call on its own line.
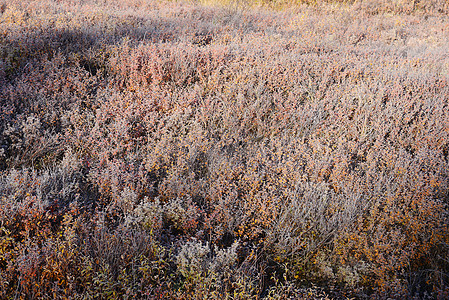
point(207, 149)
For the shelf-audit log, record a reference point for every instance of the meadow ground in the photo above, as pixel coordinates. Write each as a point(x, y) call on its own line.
point(224, 150)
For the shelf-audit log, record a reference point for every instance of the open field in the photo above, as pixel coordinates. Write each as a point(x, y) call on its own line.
point(233, 150)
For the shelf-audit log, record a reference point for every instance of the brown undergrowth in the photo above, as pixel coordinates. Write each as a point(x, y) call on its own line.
point(176, 150)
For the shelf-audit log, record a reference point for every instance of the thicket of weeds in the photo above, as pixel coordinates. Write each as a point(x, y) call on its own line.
point(172, 150)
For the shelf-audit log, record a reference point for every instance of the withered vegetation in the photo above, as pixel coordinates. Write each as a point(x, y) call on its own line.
point(224, 150)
